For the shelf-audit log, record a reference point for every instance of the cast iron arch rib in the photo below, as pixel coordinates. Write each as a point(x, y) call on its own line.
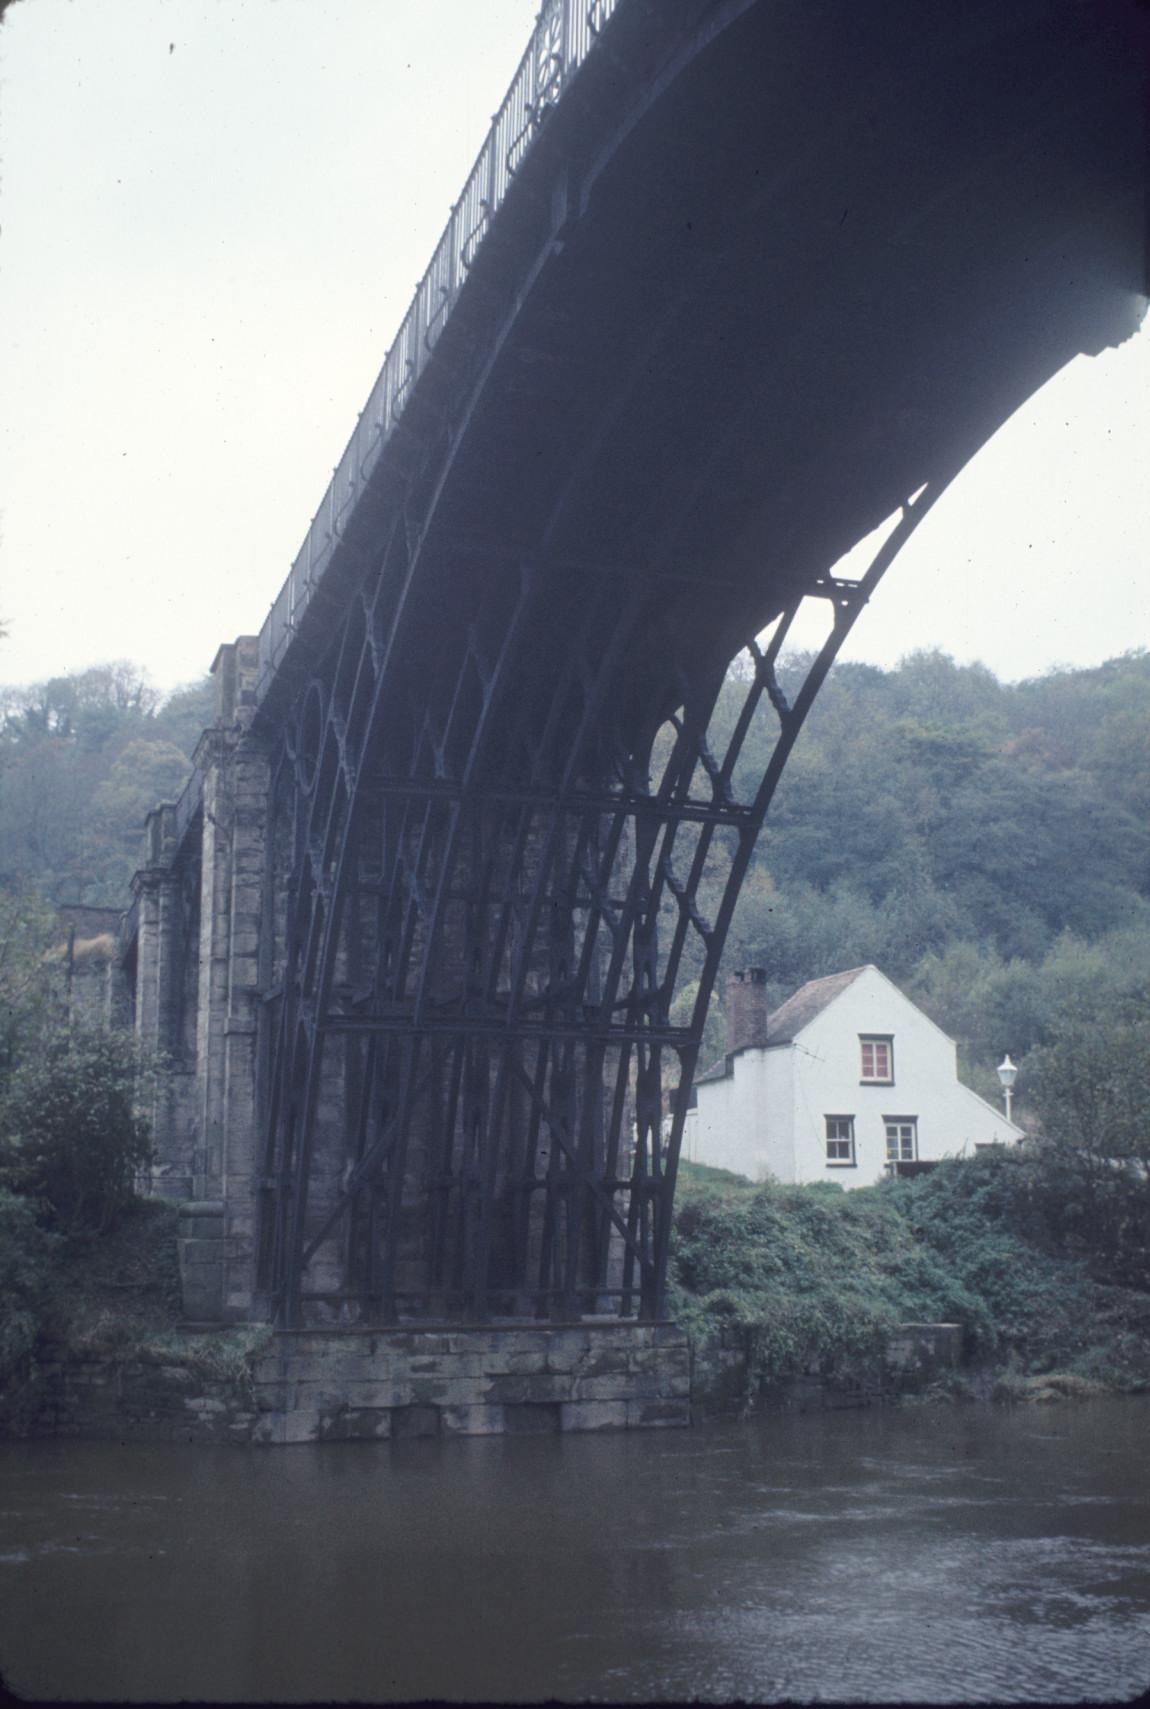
point(557, 998)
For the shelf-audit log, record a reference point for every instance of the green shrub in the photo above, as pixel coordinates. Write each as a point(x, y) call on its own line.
point(70, 1136)
point(816, 1279)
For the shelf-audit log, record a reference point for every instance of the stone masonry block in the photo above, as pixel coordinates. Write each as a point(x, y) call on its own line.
point(428, 1391)
point(200, 1252)
point(535, 1418)
point(620, 1386)
point(409, 1421)
point(593, 1415)
point(606, 1361)
point(538, 1386)
point(519, 1341)
point(474, 1341)
point(272, 1396)
point(299, 1427)
point(502, 1361)
point(350, 1355)
point(356, 1424)
point(201, 1305)
point(366, 1391)
point(661, 1359)
point(195, 1230)
point(566, 1354)
point(473, 1420)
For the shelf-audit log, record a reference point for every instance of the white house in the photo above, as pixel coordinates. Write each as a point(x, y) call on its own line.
point(846, 1080)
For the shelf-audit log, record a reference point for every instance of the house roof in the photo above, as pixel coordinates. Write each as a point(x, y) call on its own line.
point(788, 1020)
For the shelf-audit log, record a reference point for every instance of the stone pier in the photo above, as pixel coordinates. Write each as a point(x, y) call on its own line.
point(198, 902)
point(335, 1386)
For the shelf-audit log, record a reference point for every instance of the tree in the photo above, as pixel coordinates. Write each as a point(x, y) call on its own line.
point(83, 758)
point(28, 933)
point(70, 1136)
point(1091, 1086)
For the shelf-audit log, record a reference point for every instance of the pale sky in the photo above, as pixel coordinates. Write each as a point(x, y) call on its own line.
point(214, 214)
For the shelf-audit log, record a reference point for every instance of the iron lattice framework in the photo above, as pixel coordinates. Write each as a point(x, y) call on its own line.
point(477, 1068)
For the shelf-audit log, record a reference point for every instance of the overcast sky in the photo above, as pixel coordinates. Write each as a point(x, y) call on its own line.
point(214, 214)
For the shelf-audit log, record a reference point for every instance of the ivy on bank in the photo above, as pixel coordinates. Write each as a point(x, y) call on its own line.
point(814, 1278)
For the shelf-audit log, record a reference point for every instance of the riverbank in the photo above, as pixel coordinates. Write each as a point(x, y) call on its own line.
point(108, 1355)
point(951, 1288)
point(1043, 1273)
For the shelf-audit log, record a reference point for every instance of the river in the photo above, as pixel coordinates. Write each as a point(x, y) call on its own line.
point(918, 1554)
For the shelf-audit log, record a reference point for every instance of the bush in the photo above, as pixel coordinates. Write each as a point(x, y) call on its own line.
point(815, 1278)
point(70, 1136)
point(812, 1278)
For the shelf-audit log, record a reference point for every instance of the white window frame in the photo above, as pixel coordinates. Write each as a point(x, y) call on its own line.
point(899, 1139)
point(848, 1139)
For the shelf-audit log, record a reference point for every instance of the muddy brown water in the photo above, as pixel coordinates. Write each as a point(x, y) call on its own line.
point(918, 1555)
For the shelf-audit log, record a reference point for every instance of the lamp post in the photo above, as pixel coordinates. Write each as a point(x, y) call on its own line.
point(1006, 1074)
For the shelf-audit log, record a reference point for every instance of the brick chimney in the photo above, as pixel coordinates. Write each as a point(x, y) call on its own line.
point(747, 1008)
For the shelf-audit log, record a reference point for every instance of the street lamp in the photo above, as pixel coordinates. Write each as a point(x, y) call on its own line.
point(1006, 1074)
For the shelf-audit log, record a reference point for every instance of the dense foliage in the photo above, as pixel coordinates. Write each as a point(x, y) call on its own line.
point(1001, 1244)
point(987, 845)
point(82, 759)
point(71, 1140)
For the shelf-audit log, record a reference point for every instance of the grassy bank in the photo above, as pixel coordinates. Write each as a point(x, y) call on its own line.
point(114, 1296)
point(1045, 1272)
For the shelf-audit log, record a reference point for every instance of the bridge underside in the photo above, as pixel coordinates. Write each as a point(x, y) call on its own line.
point(770, 272)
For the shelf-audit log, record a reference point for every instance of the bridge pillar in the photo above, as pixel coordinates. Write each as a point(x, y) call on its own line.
point(234, 771)
point(199, 899)
point(160, 949)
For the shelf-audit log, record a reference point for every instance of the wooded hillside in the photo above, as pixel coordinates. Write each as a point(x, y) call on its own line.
point(83, 758)
point(987, 845)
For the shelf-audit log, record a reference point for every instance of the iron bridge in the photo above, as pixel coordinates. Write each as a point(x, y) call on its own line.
point(730, 283)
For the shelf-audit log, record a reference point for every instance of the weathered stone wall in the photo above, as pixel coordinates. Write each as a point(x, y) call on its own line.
point(314, 1385)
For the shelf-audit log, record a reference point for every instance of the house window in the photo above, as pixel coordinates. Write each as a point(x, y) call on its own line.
point(840, 1142)
point(877, 1060)
point(901, 1138)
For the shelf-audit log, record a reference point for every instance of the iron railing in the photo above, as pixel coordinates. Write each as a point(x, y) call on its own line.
point(565, 33)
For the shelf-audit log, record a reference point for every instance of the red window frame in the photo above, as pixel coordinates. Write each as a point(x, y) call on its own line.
point(876, 1059)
